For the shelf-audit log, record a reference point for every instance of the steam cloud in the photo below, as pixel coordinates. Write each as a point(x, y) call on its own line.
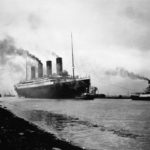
point(124, 73)
point(12, 64)
point(54, 54)
point(7, 48)
point(34, 21)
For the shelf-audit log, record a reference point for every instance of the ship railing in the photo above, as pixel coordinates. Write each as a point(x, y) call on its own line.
point(53, 78)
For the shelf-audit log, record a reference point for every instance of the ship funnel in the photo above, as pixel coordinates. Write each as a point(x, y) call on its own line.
point(32, 72)
point(59, 65)
point(49, 67)
point(40, 69)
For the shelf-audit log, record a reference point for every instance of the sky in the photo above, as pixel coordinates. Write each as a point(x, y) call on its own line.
point(107, 34)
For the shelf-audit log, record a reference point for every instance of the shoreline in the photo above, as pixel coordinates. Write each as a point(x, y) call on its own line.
point(18, 134)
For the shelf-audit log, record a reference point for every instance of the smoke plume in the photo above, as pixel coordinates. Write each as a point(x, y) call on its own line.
point(7, 48)
point(12, 64)
point(54, 54)
point(124, 73)
point(34, 21)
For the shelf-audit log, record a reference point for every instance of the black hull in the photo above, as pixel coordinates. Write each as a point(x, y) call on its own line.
point(58, 90)
point(138, 98)
point(85, 98)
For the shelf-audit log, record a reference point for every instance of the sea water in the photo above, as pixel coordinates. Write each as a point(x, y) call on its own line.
point(100, 124)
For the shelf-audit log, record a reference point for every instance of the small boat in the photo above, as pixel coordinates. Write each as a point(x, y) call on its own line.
point(143, 97)
point(89, 94)
point(86, 96)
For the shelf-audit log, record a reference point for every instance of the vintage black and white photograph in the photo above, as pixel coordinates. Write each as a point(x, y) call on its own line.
point(74, 75)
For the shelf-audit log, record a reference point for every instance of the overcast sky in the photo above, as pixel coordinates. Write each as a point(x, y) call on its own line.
point(106, 34)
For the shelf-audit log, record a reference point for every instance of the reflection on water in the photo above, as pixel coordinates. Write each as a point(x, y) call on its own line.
point(99, 124)
point(59, 122)
point(74, 129)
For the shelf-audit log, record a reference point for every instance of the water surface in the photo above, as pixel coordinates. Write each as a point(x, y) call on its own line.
point(99, 124)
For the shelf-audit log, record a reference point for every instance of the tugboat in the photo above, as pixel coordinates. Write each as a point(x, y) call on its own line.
point(142, 96)
point(88, 95)
point(145, 96)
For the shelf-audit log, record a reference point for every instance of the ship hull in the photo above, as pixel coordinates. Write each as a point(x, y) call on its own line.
point(58, 90)
point(138, 98)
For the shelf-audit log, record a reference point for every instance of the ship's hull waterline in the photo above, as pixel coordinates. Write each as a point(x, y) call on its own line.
point(58, 90)
point(145, 98)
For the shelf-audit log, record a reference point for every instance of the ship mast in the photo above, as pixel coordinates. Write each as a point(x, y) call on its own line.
point(72, 57)
point(26, 67)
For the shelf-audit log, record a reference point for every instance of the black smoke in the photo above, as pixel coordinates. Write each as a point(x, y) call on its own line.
point(12, 64)
point(7, 48)
point(125, 73)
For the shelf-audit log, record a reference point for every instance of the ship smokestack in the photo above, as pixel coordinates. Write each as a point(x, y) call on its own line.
point(49, 67)
point(59, 65)
point(40, 69)
point(32, 72)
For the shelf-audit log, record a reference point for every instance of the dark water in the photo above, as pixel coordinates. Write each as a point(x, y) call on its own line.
point(102, 124)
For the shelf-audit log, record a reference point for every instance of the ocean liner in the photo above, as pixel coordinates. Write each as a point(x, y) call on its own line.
point(58, 85)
